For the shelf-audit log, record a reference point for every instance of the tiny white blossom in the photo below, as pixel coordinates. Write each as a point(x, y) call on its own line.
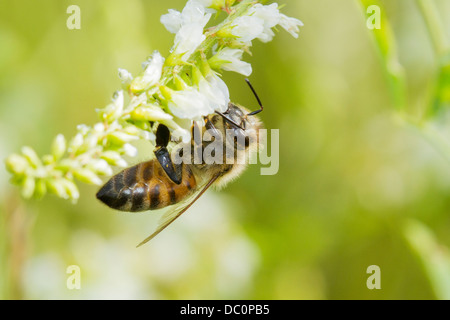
point(153, 71)
point(147, 135)
point(291, 25)
point(125, 76)
point(181, 134)
point(215, 91)
point(188, 26)
point(129, 150)
point(193, 13)
point(99, 127)
point(76, 142)
point(100, 166)
point(189, 104)
point(187, 39)
point(59, 146)
point(270, 15)
point(247, 28)
point(172, 20)
point(234, 56)
point(180, 129)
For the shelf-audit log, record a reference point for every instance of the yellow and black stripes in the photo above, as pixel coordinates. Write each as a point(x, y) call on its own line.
point(145, 186)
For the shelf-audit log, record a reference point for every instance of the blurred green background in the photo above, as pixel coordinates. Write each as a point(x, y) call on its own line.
point(364, 174)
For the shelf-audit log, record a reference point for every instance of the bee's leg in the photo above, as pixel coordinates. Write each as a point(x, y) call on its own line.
point(174, 172)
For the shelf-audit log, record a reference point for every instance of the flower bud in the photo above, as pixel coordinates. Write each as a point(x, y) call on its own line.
point(119, 138)
point(28, 187)
point(129, 150)
point(148, 113)
point(66, 164)
point(41, 188)
point(76, 143)
point(31, 156)
point(113, 158)
point(55, 186)
point(70, 188)
point(48, 159)
point(125, 76)
point(58, 146)
point(87, 176)
point(100, 166)
point(16, 164)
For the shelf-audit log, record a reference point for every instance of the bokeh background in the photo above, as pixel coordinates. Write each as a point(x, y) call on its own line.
point(364, 175)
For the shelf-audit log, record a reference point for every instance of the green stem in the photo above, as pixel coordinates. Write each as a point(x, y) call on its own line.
point(434, 26)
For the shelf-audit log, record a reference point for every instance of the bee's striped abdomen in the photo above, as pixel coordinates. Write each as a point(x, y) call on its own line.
point(145, 186)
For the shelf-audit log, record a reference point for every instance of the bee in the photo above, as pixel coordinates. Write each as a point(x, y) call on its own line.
point(162, 182)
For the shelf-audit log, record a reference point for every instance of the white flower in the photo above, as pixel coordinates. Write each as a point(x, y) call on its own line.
point(189, 104)
point(206, 3)
point(215, 91)
point(193, 13)
point(129, 150)
point(172, 21)
point(100, 166)
point(188, 38)
point(290, 25)
point(271, 17)
point(233, 62)
point(153, 70)
point(118, 100)
point(188, 26)
point(247, 28)
point(182, 134)
point(125, 76)
point(259, 21)
point(112, 111)
point(180, 129)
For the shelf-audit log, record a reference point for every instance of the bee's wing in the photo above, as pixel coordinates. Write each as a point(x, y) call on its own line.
point(170, 216)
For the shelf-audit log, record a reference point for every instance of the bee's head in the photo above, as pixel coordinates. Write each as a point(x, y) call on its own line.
point(238, 126)
point(242, 123)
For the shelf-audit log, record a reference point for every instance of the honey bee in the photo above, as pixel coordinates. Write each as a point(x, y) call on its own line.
point(161, 182)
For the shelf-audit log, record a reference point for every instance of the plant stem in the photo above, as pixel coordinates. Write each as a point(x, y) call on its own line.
point(434, 26)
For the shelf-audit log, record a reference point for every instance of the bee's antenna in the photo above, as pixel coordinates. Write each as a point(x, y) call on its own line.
point(257, 98)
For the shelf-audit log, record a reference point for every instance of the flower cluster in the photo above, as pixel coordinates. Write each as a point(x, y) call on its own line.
point(183, 87)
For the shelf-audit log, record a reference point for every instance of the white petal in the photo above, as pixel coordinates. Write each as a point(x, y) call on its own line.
point(153, 71)
point(118, 100)
point(129, 150)
point(234, 56)
point(188, 38)
point(216, 91)
point(182, 134)
point(125, 76)
point(194, 12)
point(269, 14)
point(291, 25)
point(172, 21)
point(189, 104)
point(247, 28)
